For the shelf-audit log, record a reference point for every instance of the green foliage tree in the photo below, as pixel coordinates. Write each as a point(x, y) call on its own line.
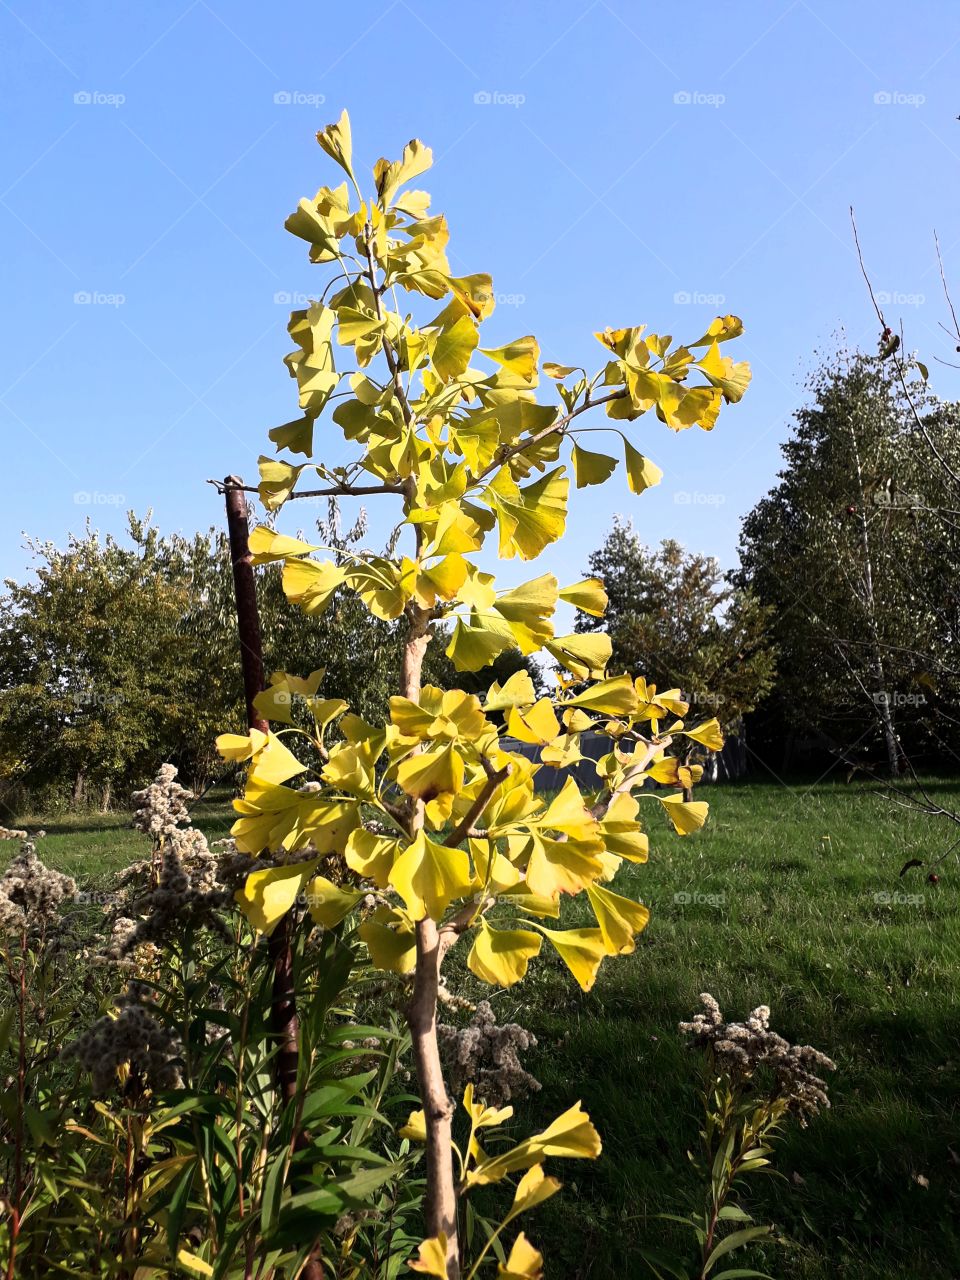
point(112, 656)
point(854, 551)
point(672, 615)
point(436, 821)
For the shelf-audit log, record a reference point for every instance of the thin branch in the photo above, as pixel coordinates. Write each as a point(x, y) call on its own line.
point(463, 828)
point(336, 491)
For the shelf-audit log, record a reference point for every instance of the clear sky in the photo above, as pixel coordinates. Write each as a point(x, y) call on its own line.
point(609, 163)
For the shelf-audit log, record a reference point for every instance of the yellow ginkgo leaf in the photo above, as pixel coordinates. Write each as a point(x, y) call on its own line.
point(536, 724)
point(432, 1257)
point(371, 856)
point(568, 812)
point(519, 357)
point(619, 919)
point(525, 1262)
point(390, 940)
point(528, 609)
point(586, 655)
point(588, 596)
point(686, 815)
point(731, 378)
point(720, 330)
point(571, 1136)
point(532, 1190)
point(454, 347)
point(311, 583)
point(561, 866)
point(482, 1116)
point(336, 141)
point(274, 763)
point(328, 904)
point(494, 872)
point(591, 468)
point(429, 876)
point(433, 773)
point(278, 479)
point(266, 545)
point(268, 895)
point(666, 771)
point(391, 176)
point(415, 1130)
point(518, 691)
point(296, 436)
point(581, 950)
point(500, 956)
point(616, 696)
point(641, 472)
point(475, 644)
point(708, 734)
point(622, 835)
point(531, 518)
point(241, 746)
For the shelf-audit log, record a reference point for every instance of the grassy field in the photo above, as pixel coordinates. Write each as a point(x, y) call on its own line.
point(775, 902)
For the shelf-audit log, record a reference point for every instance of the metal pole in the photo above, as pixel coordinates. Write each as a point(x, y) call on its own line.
point(283, 1012)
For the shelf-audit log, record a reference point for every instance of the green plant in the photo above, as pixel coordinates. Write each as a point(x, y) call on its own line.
point(753, 1080)
point(181, 1156)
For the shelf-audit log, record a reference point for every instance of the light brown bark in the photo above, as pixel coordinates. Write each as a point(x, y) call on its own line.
point(440, 1210)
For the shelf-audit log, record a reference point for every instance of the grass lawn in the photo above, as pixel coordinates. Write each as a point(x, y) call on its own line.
point(780, 908)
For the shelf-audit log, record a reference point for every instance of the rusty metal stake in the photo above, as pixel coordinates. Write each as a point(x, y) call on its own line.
point(283, 1010)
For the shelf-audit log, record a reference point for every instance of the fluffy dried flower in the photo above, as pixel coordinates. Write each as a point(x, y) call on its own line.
point(161, 806)
point(488, 1056)
point(135, 1037)
point(742, 1048)
point(31, 894)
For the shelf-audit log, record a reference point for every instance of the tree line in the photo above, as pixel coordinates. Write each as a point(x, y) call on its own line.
point(835, 643)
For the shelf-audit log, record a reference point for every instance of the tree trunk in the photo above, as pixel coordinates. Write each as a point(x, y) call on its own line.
point(440, 1210)
point(882, 697)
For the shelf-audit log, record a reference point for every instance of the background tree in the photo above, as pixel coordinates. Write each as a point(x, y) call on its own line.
point(113, 655)
point(854, 551)
point(672, 615)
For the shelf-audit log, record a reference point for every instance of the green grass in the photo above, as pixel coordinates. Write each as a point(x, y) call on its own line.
point(794, 923)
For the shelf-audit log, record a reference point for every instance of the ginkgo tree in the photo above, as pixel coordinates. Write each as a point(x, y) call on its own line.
point(439, 822)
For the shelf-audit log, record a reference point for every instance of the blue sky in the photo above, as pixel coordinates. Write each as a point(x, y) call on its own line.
point(609, 163)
